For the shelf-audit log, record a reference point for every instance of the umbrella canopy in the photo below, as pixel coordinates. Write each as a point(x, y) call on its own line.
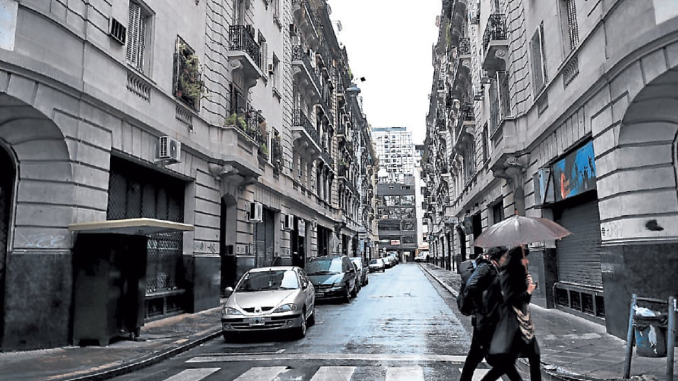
point(520, 230)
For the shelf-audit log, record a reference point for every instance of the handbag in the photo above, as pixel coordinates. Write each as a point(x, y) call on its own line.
point(525, 325)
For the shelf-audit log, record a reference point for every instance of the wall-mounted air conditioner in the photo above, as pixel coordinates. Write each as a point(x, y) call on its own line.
point(256, 212)
point(288, 222)
point(271, 68)
point(169, 150)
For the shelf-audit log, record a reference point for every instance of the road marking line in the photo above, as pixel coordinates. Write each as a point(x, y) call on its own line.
point(478, 374)
point(413, 373)
point(193, 374)
point(329, 356)
point(334, 373)
point(261, 373)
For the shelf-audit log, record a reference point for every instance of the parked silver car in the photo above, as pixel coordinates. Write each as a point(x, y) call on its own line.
point(270, 298)
point(377, 264)
point(362, 269)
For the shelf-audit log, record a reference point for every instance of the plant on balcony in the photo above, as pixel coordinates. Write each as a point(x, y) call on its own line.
point(263, 151)
point(189, 86)
point(236, 120)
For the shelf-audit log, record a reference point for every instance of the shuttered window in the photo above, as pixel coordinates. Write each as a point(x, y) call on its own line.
point(137, 31)
point(570, 27)
point(538, 60)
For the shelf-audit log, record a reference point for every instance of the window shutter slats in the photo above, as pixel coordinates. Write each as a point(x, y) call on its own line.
point(138, 22)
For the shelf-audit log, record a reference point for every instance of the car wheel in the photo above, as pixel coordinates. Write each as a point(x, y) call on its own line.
point(354, 293)
point(311, 319)
point(347, 297)
point(367, 281)
point(229, 337)
point(301, 331)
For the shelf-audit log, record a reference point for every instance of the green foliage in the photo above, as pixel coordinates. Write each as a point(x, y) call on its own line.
point(230, 121)
point(263, 150)
point(190, 87)
point(241, 123)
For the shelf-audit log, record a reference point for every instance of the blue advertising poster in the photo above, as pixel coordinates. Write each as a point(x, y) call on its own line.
point(576, 173)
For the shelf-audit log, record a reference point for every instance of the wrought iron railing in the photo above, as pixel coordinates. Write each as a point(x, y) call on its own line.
point(298, 54)
point(495, 29)
point(241, 39)
point(300, 119)
point(276, 154)
point(327, 158)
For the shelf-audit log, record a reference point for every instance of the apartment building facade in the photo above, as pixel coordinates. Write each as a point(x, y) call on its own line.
point(556, 110)
point(395, 151)
point(204, 137)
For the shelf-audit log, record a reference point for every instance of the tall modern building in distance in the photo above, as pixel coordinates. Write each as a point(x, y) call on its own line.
point(395, 151)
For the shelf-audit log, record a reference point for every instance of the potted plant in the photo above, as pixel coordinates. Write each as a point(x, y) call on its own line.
point(263, 150)
point(231, 120)
point(189, 86)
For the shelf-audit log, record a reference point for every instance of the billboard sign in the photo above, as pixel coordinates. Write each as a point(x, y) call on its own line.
point(576, 173)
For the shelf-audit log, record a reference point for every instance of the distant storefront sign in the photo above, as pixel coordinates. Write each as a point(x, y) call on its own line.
point(576, 173)
point(395, 242)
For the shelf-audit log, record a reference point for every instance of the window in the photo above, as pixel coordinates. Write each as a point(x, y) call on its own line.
point(276, 11)
point(538, 60)
point(568, 16)
point(137, 36)
point(498, 212)
point(264, 52)
point(486, 151)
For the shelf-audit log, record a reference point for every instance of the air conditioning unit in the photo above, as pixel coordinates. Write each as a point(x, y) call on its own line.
point(117, 31)
point(288, 222)
point(294, 31)
point(478, 93)
point(271, 68)
point(169, 149)
point(474, 17)
point(256, 212)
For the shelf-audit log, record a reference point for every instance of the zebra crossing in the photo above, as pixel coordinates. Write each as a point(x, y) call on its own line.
point(322, 373)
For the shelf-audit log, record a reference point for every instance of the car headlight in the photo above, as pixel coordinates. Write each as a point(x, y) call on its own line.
point(230, 311)
point(286, 308)
point(338, 285)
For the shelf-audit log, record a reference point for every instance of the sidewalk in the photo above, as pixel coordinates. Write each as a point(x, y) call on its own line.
point(573, 348)
point(164, 338)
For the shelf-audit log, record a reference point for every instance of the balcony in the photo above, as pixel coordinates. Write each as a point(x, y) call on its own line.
point(464, 49)
point(244, 54)
point(305, 74)
point(306, 139)
point(304, 19)
point(495, 44)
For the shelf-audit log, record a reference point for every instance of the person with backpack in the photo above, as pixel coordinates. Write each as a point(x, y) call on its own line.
point(481, 295)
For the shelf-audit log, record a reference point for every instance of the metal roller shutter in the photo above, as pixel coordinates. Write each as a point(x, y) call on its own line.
point(579, 254)
point(264, 236)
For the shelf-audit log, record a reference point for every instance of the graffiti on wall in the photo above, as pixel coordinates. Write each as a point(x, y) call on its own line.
point(576, 173)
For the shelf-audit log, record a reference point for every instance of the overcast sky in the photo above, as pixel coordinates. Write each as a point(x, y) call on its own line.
point(389, 43)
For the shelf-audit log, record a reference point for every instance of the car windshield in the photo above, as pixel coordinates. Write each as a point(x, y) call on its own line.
point(324, 266)
point(268, 281)
point(374, 262)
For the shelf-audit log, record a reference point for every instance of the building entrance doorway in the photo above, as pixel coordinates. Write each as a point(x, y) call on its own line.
point(6, 193)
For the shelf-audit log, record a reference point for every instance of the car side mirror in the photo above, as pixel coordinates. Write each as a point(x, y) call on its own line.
point(304, 284)
point(228, 291)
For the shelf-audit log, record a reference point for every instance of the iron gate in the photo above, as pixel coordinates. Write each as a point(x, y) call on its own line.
point(136, 192)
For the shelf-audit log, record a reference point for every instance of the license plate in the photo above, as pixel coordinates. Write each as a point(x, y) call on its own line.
point(257, 321)
point(320, 294)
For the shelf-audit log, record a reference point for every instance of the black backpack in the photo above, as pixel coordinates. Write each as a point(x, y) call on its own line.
point(464, 302)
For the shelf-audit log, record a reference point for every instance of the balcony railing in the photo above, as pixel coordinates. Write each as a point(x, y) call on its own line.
point(495, 29)
point(298, 54)
point(464, 46)
point(300, 119)
point(241, 39)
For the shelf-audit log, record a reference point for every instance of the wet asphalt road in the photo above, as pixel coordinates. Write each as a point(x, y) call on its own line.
point(401, 326)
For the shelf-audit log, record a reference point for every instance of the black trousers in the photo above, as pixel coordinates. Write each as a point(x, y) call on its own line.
point(479, 343)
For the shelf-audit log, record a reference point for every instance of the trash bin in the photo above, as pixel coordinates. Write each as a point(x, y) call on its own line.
point(650, 332)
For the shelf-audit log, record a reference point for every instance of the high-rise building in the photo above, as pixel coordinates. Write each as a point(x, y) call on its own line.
point(395, 151)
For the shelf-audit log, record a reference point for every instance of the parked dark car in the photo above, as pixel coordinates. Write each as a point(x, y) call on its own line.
point(363, 270)
point(333, 277)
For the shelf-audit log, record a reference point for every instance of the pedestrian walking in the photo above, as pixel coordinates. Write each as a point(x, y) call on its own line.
point(483, 288)
point(514, 334)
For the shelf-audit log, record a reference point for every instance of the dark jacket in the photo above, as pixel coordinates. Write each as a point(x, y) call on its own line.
point(483, 288)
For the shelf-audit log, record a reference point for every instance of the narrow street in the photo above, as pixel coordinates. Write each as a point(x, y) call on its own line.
point(400, 327)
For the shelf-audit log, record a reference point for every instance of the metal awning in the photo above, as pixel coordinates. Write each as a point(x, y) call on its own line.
point(130, 226)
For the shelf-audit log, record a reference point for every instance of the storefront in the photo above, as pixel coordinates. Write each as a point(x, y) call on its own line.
point(571, 187)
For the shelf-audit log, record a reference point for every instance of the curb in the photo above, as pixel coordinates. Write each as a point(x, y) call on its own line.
point(143, 362)
point(523, 366)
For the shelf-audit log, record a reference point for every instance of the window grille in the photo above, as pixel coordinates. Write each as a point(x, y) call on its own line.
point(572, 28)
point(136, 43)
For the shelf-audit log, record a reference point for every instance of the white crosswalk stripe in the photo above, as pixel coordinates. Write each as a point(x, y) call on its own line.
point(323, 373)
point(478, 374)
point(334, 373)
point(261, 373)
point(193, 374)
point(412, 373)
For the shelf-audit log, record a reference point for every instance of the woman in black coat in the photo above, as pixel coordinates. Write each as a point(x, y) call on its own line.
point(514, 335)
